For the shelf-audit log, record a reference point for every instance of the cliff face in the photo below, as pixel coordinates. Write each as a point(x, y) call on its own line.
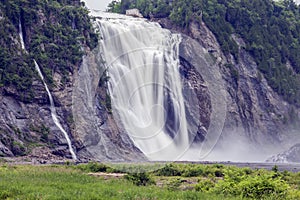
point(26, 126)
point(258, 122)
point(53, 33)
point(101, 136)
point(229, 105)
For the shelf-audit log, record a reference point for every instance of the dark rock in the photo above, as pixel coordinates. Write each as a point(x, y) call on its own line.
point(4, 151)
point(62, 151)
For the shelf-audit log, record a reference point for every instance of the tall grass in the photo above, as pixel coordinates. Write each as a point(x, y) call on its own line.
point(170, 181)
point(62, 182)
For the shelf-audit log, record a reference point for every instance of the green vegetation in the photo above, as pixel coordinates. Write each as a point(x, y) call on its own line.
point(54, 32)
point(140, 179)
point(94, 167)
point(17, 147)
point(65, 182)
point(42, 130)
point(170, 181)
point(271, 30)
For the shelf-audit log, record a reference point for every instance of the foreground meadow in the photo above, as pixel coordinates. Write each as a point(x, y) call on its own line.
point(127, 181)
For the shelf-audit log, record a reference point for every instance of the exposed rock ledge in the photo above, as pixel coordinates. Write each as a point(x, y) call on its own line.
point(290, 156)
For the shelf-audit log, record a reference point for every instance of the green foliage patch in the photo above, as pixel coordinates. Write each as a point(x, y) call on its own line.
point(140, 179)
point(54, 33)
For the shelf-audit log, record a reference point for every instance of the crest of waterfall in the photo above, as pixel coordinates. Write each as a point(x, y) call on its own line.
point(52, 106)
point(142, 61)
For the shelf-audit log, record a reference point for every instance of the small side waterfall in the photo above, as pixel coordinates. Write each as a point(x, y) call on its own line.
point(52, 106)
point(53, 112)
point(21, 36)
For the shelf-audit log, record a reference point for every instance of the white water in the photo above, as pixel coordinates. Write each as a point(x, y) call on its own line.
point(53, 112)
point(52, 106)
point(145, 85)
point(21, 36)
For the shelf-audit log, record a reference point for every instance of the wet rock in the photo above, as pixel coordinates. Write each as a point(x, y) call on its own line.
point(253, 110)
point(101, 134)
point(62, 151)
point(4, 151)
point(292, 155)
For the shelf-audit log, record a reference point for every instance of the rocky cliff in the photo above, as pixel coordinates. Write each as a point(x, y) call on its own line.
point(228, 101)
point(26, 122)
point(59, 36)
point(257, 122)
point(101, 136)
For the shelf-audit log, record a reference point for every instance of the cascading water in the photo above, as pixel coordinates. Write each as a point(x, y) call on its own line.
point(52, 106)
point(21, 36)
point(145, 86)
point(53, 112)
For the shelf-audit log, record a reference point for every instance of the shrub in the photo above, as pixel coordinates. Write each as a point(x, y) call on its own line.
point(139, 179)
point(226, 187)
point(5, 194)
point(247, 170)
point(174, 184)
point(219, 173)
point(275, 168)
point(192, 172)
point(260, 187)
point(94, 167)
point(169, 170)
point(204, 185)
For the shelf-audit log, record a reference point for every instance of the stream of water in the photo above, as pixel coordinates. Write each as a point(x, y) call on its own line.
point(52, 106)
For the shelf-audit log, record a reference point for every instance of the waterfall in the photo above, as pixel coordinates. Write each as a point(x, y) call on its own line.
point(53, 112)
point(52, 106)
point(142, 61)
point(21, 36)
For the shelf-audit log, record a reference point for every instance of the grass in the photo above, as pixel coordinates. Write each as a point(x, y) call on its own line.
point(202, 182)
point(62, 182)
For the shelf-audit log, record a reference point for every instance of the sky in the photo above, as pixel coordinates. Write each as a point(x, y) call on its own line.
point(97, 4)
